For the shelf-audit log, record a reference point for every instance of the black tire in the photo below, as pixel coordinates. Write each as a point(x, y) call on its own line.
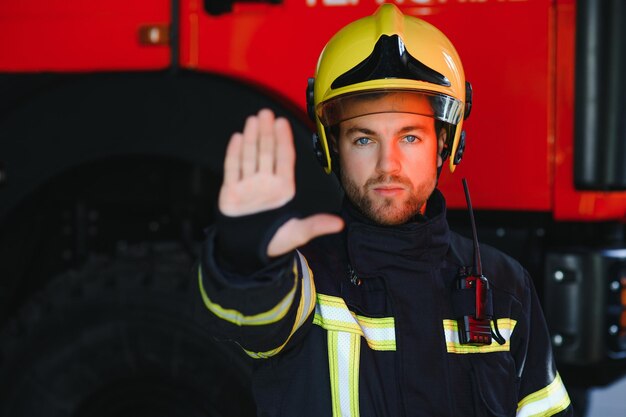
point(121, 337)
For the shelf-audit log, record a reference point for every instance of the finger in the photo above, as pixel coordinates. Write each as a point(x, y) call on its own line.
point(267, 140)
point(285, 151)
point(249, 147)
point(298, 232)
point(319, 225)
point(232, 166)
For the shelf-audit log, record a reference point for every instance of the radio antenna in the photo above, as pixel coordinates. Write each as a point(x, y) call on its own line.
point(477, 268)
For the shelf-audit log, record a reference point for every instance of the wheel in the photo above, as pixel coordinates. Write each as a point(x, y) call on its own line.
point(121, 337)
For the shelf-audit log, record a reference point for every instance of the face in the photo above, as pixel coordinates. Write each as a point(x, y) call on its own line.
point(389, 164)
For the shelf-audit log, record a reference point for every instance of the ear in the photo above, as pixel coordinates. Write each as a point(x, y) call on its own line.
point(441, 140)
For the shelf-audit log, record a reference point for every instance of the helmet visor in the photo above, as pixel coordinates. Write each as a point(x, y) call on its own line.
point(349, 106)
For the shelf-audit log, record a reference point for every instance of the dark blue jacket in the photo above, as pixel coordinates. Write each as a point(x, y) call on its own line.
point(361, 324)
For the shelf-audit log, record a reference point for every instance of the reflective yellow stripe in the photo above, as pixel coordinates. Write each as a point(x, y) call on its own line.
point(344, 353)
point(332, 314)
point(333, 367)
point(505, 326)
point(353, 367)
point(238, 318)
point(345, 329)
point(545, 402)
point(305, 307)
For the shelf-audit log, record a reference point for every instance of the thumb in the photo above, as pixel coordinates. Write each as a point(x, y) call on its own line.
point(297, 232)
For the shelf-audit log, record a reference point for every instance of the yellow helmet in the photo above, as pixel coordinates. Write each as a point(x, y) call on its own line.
point(390, 52)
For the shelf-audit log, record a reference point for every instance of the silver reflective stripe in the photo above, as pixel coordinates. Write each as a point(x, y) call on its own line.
point(380, 333)
point(233, 316)
point(305, 306)
point(307, 301)
point(545, 402)
point(453, 345)
point(344, 350)
point(345, 329)
point(332, 313)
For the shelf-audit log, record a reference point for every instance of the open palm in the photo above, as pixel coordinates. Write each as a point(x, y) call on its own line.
point(259, 175)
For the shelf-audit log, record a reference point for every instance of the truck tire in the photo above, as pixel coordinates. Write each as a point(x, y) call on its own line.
point(122, 336)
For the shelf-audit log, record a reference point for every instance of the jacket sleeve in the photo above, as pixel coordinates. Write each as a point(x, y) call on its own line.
point(541, 391)
point(263, 311)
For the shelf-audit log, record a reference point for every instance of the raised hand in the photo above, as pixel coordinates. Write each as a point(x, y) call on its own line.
point(259, 175)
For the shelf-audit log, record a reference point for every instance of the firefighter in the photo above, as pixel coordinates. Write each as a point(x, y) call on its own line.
point(380, 310)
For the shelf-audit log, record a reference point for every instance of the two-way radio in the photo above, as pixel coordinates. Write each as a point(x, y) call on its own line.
point(473, 292)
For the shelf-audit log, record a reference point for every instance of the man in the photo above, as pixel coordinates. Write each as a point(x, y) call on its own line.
point(374, 312)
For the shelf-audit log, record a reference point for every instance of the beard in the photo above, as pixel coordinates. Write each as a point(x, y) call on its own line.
point(383, 210)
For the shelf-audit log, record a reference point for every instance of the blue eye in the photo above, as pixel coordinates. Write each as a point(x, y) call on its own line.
point(362, 141)
point(410, 138)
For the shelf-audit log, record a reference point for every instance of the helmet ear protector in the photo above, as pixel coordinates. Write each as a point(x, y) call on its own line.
point(389, 53)
point(323, 155)
point(468, 99)
point(458, 146)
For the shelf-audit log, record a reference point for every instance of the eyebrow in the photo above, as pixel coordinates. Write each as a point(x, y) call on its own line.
point(366, 131)
point(358, 129)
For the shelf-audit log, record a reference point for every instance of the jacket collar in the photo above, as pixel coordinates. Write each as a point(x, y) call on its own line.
point(372, 247)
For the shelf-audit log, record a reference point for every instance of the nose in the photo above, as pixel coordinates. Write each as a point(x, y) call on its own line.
point(388, 159)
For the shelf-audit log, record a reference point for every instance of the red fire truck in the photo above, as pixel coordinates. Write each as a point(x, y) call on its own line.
point(114, 117)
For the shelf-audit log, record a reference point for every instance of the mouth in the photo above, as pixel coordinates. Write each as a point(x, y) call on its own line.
point(388, 190)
